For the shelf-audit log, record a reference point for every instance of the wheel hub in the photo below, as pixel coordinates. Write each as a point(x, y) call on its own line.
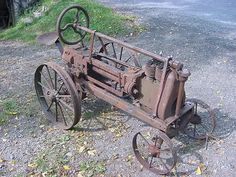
point(196, 119)
point(52, 95)
point(154, 150)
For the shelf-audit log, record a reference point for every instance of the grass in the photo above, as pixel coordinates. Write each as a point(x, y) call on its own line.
point(8, 108)
point(102, 19)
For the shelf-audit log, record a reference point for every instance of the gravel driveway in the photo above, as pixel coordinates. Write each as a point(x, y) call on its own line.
point(101, 146)
point(202, 35)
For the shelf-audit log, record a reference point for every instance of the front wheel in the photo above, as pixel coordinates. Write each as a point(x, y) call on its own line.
point(58, 97)
point(155, 151)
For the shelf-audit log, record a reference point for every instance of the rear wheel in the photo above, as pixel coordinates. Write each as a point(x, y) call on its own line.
point(56, 92)
point(202, 122)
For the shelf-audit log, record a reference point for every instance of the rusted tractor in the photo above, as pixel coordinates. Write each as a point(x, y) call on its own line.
point(145, 85)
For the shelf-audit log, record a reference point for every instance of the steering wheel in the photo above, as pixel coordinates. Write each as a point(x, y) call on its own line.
point(68, 22)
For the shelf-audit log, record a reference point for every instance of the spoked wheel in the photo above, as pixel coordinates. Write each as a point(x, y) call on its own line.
point(154, 150)
point(202, 122)
point(122, 54)
point(57, 95)
point(68, 22)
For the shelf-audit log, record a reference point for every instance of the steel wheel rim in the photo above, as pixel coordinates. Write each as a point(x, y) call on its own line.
point(212, 120)
point(149, 164)
point(47, 97)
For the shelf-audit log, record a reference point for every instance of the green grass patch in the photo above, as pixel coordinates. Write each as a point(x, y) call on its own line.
point(102, 19)
point(8, 108)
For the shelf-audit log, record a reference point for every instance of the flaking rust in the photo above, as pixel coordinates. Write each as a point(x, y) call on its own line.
point(147, 86)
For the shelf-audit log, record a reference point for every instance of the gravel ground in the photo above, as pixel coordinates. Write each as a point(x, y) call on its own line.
point(101, 146)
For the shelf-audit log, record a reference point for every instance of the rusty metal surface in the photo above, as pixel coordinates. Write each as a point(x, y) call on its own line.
point(110, 69)
point(57, 95)
point(155, 151)
point(203, 121)
point(48, 38)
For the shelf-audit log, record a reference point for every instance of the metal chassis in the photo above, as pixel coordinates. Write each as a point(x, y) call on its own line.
point(81, 62)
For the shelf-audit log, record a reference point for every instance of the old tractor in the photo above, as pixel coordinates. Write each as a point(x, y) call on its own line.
point(145, 85)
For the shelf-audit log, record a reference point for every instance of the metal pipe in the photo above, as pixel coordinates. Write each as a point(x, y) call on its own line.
point(179, 98)
point(136, 49)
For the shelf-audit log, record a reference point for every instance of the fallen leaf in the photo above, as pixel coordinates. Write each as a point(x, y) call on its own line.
point(118, 135)
point(112, 130)
point(12, 113)
point(80, 175)
point(115, 156)
point(141, 167)
point(202, 166)
point(2, 160)
point(92, 152)
point(50, 129)
point(13, 162)
point(192, 162)
point(32, 165)
point(41, 126)
point(66, 167)
point(129, 158)
point(198, 171)
point(81, 149)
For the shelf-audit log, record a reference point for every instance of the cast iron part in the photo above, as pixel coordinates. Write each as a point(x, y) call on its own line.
point(148, 86)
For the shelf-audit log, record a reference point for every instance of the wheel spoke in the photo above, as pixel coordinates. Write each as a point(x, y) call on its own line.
point(47, 82)
point(44, 86)
point(66, 105)
point(156, 140)
point(114, 51)
point(55, 80)
point(197, 133)
point(144, 138)
point(205, 127)
point(164, 164)
point(69, 25)
point(78, 32)
point(64, 96)
point(50, 106)
point(63, 116)
point(195, 112)
point(79, 12)
point(165, 150)
point(56, 110)
point(127, 59)
point(150, 164)
point(65, 111)
point(49, 76)
point(194, 129)
point(121, 52)
point(60, 88)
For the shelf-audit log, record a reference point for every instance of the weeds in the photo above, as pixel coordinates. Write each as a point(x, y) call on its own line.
point(8, 108)
point(92, 168)
point(102, 19)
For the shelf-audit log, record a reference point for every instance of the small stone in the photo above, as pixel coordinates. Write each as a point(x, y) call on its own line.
point(37, 14)
point(69, 154)
point(27, 20)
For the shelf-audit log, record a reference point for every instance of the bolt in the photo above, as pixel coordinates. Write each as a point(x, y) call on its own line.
point(135, 91)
